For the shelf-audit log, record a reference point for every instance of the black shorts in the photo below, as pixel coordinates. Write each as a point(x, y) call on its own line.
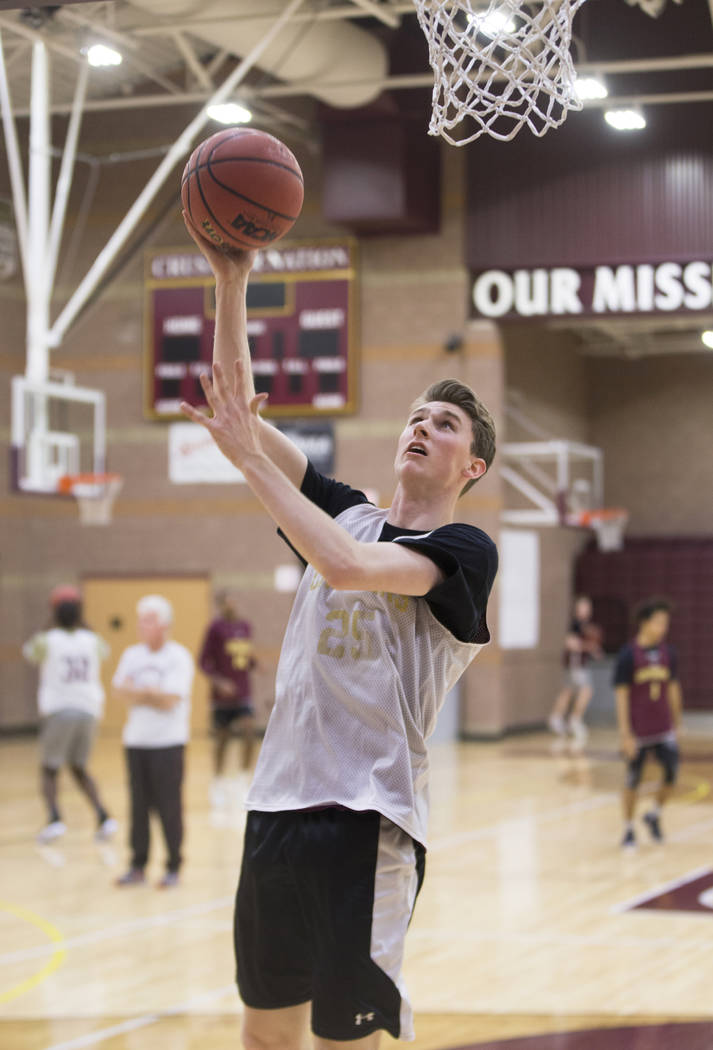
point(323, 904)
point(223, 717)
point(666, 754)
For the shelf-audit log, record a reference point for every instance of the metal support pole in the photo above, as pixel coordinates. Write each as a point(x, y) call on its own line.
point(176, 153)
point(14, 162)
point(37, 288)
point(64, 182)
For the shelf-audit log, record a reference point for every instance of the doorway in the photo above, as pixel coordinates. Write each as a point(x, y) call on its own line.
point(110, 610)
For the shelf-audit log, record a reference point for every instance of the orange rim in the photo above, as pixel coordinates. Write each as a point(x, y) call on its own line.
point(68, 481)
point(591, 517)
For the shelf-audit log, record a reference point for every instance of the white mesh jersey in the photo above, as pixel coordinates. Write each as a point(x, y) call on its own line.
point(69, 670)
point(361, 678)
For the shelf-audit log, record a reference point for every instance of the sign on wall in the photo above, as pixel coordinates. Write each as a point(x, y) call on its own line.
point(560, 291)
point(301, 329)
point(195, 459)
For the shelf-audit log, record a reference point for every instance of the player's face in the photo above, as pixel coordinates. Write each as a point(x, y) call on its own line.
point(152, 631)
point(657, 626)
point(583, 609)
point(435, 446)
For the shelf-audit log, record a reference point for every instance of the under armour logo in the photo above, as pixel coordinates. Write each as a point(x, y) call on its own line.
point(360, 1018)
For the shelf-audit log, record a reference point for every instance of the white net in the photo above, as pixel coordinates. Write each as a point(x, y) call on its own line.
point(499, 66)
point(609, 531)
point(96, 499)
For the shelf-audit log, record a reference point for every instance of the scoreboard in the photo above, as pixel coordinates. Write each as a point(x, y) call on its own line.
point(301, 321)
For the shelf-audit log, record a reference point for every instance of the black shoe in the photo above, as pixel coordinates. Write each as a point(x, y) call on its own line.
point(629, 840)
point(654, 825)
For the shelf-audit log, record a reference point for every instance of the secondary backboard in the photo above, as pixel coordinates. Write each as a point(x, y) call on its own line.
point(58, 429)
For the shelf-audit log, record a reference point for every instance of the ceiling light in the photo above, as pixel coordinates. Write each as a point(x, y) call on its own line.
point(100, 55)
point(230, 113)
point(493, 24)
point(707, 339)
point(625, 119)
point(589, 88)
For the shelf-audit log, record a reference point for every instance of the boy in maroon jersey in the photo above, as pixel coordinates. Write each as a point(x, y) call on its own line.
point(227, 658)
point(648, 705)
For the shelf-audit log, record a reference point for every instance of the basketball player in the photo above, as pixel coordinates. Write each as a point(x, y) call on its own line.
point(389, 613)
point(582, 644)
point(70, 700)
point(227, 657)
point(648, 705)
point(154, 679)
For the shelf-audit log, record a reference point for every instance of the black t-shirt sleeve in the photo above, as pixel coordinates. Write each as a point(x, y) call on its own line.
point(331, 496)
point(469, 559)
point(673, 662)
point(624, 668)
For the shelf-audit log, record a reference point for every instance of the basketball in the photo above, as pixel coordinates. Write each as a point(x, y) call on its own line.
point(242, 188)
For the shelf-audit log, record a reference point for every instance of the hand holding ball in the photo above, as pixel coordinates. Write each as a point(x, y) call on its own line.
point(242, 188)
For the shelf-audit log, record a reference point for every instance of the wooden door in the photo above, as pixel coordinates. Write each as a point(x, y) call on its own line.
point(110, 610)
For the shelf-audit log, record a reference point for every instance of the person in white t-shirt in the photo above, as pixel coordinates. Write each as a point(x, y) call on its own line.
point(154, 679)
point(390, 611)
point(70, 701)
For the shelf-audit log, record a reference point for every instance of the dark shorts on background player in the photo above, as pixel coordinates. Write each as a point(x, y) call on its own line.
point(323, 904)
point(666, 754)
point(223, 717)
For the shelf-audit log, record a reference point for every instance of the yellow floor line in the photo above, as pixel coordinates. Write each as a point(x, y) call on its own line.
point(52, 964)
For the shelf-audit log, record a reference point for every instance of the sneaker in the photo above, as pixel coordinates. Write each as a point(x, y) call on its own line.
point(106, 829)
point(629, 840)
point(557, 724)
point(169, 880)
point(218, 793)
point(54, 830)
point(578, 730)
point(132, 877)
point(654, 826)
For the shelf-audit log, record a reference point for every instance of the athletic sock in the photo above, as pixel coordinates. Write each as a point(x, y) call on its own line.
point(655, 810)
point(629, 825)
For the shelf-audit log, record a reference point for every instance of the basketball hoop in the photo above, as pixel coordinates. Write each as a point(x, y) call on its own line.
point(501, 65)
point(94, 493)
point(608, 524)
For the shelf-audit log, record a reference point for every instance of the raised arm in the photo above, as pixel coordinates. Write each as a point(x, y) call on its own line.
point(345, 563)
point(232, 271)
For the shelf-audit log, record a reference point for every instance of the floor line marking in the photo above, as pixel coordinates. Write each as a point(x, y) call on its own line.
point(130, 1025)
point(492, 829)
point(107, 932)
point(57, 947)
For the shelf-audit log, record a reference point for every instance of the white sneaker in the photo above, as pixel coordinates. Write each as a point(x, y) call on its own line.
point(578, 730)
point(557, 724)
point(52, 831)
point(106, 829)
point(218, 793)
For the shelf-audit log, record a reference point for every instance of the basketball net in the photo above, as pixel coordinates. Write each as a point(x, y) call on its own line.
point(503, 65)
point(95, 495)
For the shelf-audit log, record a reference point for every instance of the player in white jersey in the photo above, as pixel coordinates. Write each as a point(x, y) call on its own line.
point(70, 700)
point(390, 611)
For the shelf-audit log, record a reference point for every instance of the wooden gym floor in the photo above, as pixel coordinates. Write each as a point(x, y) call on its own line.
point(533, 930)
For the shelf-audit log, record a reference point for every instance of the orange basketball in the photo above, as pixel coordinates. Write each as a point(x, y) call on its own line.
point(242, 188)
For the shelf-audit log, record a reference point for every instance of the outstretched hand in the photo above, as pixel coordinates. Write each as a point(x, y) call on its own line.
point(226, 263)
point(235, 423)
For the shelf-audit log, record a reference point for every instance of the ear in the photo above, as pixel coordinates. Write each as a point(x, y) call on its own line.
point(475, 469)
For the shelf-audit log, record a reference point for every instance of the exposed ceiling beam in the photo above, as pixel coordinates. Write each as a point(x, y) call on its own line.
point(192, 61)
point(380, 11)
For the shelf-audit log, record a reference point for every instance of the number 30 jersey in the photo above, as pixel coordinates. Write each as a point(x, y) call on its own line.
point(69, 669)
point(361, 678)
